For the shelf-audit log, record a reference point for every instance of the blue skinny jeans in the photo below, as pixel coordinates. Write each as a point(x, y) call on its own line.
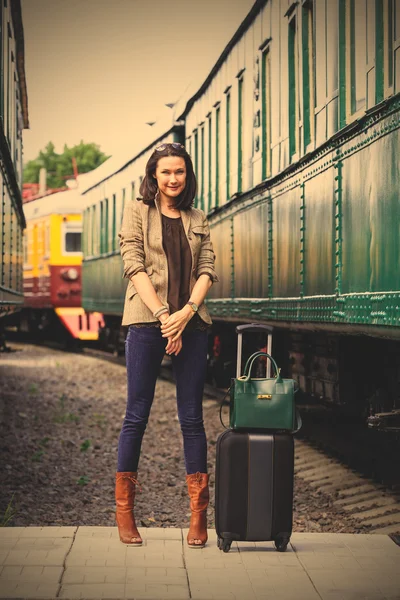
point(144, 351)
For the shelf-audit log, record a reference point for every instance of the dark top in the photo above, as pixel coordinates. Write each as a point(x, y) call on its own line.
point(179, 259)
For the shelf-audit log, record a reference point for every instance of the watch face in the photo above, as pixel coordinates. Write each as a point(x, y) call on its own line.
point(194, 306)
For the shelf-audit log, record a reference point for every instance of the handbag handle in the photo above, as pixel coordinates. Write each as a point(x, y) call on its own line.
point(249, 364)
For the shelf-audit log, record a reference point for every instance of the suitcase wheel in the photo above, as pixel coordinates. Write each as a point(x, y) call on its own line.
point(281, 543)
point(224, 545)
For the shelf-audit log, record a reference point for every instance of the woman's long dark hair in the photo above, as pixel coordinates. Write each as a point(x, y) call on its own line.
point(148, 187)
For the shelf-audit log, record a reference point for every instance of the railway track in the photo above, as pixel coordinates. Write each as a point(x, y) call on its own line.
point(365, 500)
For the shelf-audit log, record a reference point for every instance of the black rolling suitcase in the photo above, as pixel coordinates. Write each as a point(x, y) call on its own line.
point(254, 481)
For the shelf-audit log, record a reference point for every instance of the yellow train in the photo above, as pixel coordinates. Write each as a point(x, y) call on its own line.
point(52, 279)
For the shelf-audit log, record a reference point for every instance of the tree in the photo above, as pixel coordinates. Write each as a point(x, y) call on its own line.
point(59, 167)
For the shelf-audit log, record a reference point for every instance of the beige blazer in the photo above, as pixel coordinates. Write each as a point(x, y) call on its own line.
point(141, 248)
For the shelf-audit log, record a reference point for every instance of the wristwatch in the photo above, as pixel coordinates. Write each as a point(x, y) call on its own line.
point(193, 306)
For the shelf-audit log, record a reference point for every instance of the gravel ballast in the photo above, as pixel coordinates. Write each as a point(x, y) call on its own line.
point(60, 418)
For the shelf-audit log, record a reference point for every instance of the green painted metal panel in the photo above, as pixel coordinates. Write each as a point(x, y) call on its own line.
point(319, 226)
point(356, 223)
point(385, 214)
point(221, 236)
point(286, 244)
point(251, 252)
point(103, 286)
point(371, 217)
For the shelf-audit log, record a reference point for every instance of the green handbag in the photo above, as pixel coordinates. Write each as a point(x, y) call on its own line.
point(262, 403)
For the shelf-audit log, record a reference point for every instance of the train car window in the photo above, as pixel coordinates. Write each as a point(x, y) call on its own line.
point(86, 232)
point(342, 63)
point(73, 241)
point(47, 241)
point(374, 63)
point(331, 68)
point(240, 133)
point(228, 148)
point(293, 85)
point(210, 182)
point(308, 73)
point(202, 182)
point(392, 46)
point(358, 57)
point(389, 43)
point(266, 113)
point(106, 226)
point(196, 160)
point(122, 205)
point(114, 223)
point(217, 130)
point(101, 227)
point(25, 247)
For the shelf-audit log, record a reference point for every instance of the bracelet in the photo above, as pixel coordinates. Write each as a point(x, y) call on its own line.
point(160, 312)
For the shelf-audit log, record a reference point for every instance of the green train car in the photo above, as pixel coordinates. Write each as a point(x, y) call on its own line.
point(295, 140)
point(13, 118)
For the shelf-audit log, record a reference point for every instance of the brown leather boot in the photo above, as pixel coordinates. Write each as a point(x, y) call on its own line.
point(125, 483)
point(199, 496)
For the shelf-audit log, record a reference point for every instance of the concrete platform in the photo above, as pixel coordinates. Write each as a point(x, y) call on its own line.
point(90, 562)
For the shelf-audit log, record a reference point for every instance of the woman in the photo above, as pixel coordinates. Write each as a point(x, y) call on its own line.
point(169, 261)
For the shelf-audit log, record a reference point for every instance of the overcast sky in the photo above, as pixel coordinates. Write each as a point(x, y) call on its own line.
point(97, 70)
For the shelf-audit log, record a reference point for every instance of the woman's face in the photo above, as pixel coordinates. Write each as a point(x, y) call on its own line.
point(171, 176)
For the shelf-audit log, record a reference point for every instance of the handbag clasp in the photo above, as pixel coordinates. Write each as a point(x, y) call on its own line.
point(264, 396)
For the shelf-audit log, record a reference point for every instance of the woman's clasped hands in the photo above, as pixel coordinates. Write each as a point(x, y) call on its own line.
point(172, 327)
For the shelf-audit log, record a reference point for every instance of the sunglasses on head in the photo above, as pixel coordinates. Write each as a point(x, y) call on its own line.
point(162, 147)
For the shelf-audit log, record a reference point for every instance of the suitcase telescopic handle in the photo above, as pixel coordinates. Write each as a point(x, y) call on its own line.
point(254, 328)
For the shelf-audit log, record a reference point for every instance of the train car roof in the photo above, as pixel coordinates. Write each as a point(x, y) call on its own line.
point(16, 14)
point(115, 164)
point(244, 26)
point(67, 202)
